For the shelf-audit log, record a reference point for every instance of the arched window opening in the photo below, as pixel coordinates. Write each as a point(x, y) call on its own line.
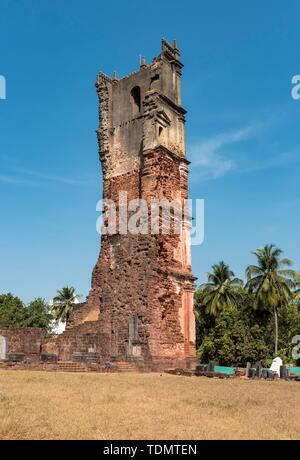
point(160, 130)
point(136, 100)
point(154, 83)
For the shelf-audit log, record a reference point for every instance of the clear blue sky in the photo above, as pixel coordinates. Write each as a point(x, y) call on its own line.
point(242, 127)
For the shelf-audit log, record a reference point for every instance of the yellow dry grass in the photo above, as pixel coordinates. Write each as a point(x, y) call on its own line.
point(41, 405)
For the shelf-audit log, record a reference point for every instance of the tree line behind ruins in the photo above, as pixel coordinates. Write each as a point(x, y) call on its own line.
point(236, 322)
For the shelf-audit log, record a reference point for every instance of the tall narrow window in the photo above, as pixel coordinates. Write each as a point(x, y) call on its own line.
point(136, 100)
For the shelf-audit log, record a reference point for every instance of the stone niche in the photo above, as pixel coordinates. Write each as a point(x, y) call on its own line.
point(134, 348)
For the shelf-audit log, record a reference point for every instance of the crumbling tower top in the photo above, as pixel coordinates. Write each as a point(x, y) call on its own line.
point(141, 111)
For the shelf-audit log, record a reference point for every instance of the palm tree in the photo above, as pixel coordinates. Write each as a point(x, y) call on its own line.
point(63, 303)
point(222, 289)
point(296, 279)
point(270, 281)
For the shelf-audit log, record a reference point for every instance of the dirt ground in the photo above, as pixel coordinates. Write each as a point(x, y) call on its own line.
point(49, 405)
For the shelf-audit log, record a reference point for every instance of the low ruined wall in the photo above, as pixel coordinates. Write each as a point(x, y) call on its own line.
point(83, 338)
point(27, 341)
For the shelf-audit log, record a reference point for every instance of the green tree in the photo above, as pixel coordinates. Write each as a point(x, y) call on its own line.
point(270, 282)
point(204, 321)
point(289, 326)
point(296, 279)
point(12, 311)
point(221, 291)
point(63, 303)
point(38, 315)
point(233, 341)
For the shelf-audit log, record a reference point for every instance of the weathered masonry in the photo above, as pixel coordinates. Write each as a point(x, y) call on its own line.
point(21, 344)
point(141, 303)
point(140, 307)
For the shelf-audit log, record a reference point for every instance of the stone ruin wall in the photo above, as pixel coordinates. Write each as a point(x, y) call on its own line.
point(140, 306)
point(22, 341)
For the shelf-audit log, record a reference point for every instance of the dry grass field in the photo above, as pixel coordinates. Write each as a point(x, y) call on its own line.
point(40, 405)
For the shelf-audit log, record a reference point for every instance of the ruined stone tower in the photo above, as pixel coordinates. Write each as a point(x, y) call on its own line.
point(141, 301)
